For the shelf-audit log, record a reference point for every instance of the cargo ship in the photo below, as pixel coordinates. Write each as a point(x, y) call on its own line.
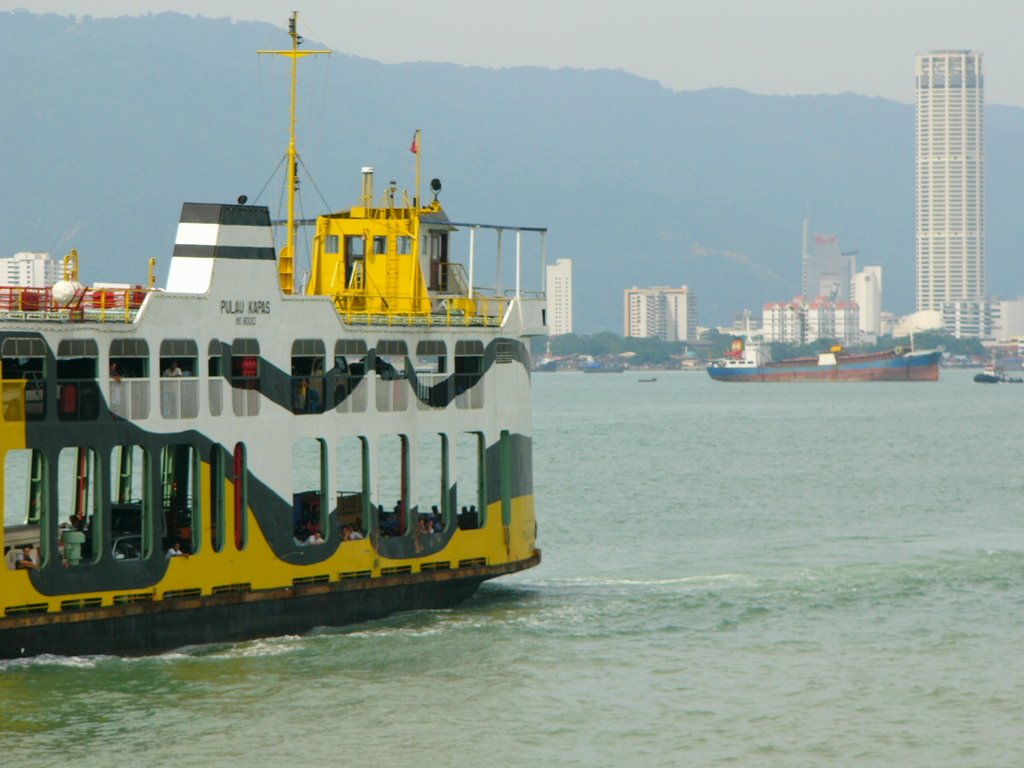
point(233, 456)
point(747, 362)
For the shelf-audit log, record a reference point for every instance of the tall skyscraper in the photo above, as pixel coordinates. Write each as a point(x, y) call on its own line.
point(559, 295)
point(950, 179)
point(827, 271)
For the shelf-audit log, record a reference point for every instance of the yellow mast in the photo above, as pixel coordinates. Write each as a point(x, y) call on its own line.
point(285, 264)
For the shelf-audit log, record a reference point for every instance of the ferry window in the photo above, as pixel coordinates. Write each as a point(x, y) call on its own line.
point(403, 244)
point(179, 478)
point(308, 375)
point(432, 381)
point(131, 520)
point(389, 364)
point(432, 482)
point(25, 495)
point(469, 368)
point(240, 502)
point(245, 377)
point(215, 372)
point(504, 351)
point(380, 244)
point(349, 370)
point(470, 479)
point(392, 480)
point(355, 246)
point(331, 244)
point(352, 481)
point(129, 378)
point(309, 484)
point(23, 360)
point(179, 382)
point(217, 495)
point(78, 392)
point(78, 505)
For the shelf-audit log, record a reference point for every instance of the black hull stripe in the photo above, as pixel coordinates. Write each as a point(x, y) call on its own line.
point(143, 628)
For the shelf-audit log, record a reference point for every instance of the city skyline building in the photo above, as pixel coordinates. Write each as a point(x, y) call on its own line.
point(950, 194)
point(558, 286)
point(803, 322)
point(29, 270)
point(825, 270)
point(867, 293)
point(669, 314)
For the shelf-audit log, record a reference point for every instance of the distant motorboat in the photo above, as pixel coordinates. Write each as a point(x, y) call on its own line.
point(993, 374)
point(647, 381)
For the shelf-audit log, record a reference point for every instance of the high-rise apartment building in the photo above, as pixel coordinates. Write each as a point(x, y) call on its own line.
point(950, 180)
point(665, 313)
point(558, 286)
point(867, 293)
point(29, 270)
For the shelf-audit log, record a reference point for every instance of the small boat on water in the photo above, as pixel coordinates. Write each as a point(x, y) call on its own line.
point(748, 362)
point(994, 374)
point(648, 381)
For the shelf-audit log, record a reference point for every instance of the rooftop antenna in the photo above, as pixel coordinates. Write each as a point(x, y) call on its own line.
point(286, 260)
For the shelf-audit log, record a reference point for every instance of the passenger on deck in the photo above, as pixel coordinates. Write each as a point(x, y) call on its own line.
point(435, 519)
point(27, 559)
point(351, 533)
point(315, 538)
point(175, 550)
point(174, 370)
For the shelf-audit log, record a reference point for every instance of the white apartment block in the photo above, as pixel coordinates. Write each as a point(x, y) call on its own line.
point(867, 293)
point(558, 285)
point(950, 182)
point(665, 313)
point(800, 322)
point(29, 270)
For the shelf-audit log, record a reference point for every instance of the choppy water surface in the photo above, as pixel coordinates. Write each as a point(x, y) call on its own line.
point(762, 575)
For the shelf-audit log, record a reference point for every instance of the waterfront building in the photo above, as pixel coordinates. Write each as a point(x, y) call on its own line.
point(665, 313)
point(867, 293)
point(950, 188)
point(802, 322)
point(29, 270)
point(559, 293)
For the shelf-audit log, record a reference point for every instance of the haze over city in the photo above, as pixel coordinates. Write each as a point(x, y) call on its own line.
point(781, 48)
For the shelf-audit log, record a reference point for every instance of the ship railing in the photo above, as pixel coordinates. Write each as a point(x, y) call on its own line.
point(98, 304)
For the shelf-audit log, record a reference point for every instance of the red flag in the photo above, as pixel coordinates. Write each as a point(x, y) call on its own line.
point(415, 146)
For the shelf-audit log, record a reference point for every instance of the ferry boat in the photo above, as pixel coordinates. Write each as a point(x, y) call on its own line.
point(230, 457)
point(747, 362)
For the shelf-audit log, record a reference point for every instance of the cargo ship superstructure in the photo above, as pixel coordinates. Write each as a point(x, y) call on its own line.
point(233, 456)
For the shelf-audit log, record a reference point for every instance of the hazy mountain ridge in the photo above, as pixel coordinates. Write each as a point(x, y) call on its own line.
point(115, 122)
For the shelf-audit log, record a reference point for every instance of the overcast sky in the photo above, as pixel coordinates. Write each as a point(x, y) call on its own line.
point(763, 46)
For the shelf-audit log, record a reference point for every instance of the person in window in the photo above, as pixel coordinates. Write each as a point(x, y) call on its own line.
point(175, 550)
point(174, 369)
point(27, 560)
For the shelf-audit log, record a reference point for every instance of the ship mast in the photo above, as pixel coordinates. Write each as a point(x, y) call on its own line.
point(286, 259)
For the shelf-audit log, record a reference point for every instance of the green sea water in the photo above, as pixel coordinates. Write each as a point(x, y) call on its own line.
point(733, 575)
